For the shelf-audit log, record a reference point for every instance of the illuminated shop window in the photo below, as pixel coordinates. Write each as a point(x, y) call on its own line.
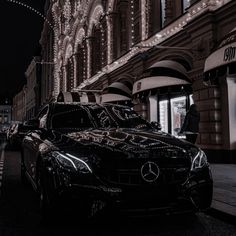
point(172, 111)
point(178, 113)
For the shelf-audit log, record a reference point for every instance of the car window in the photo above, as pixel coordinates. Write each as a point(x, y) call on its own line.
point(71, 117)
point(118, 116)
point(127, 118)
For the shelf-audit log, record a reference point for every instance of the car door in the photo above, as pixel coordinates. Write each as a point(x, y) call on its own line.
point(32, 142)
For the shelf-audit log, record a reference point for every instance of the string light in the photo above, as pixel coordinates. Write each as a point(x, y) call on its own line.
point(31, 9)
point(192, 12)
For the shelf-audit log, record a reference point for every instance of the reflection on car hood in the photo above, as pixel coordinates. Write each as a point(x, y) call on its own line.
point(128, 140)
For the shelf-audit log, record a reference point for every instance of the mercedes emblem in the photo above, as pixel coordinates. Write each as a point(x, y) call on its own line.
point(150, 171)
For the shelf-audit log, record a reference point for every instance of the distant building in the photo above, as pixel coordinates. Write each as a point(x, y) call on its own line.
point(19, 107)
point(5, 116)
point(32, 97)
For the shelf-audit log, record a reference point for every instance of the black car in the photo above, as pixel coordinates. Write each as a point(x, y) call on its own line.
point(95, 157)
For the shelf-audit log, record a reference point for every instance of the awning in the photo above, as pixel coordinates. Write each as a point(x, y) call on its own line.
point(79, 96)
point(161, 74)
point(117, 92)
point(224, 54)
point(114, 98)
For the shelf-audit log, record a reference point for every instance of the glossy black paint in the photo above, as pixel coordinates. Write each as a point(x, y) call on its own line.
point(111, 160)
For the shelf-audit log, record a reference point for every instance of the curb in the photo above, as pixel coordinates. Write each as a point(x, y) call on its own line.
point(222, 211)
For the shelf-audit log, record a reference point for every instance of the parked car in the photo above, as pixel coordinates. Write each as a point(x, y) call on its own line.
point(98, 157)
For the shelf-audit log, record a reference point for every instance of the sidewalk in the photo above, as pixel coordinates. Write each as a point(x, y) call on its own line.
point(224, 191)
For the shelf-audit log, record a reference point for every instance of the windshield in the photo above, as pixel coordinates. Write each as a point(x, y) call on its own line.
point(71, 117)
point(96, 116)
point(118, 116)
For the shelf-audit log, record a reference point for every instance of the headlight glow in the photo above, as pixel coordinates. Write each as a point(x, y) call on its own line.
point(199, 161)
point(72, 162)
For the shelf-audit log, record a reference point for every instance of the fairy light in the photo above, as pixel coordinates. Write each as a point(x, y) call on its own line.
point(31, 9)
point(192, 12)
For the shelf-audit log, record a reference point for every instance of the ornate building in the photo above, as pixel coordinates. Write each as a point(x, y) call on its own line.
point(153, 52)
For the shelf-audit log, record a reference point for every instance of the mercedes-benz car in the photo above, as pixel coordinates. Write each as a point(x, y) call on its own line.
point(94, 157)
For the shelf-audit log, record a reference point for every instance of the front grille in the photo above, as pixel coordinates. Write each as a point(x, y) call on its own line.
point(173, 165)
point(134, 177)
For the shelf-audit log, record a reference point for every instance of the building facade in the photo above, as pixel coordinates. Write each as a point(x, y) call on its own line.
point(47, 40)
point(5, 117)
point(18, 106)
point(159, 47)
point(32, 91)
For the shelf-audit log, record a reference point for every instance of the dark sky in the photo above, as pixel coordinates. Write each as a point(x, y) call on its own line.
point(19, 40)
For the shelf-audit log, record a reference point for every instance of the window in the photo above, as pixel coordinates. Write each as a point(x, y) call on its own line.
point(185, 4)
point(163, 12)
point(155, 16)
point(172, 112)
point(136, 21)
point(121, 29)
point(71, 117)
point(96, 63)
point(70, 75)
point(81, 63)
point(178, 113)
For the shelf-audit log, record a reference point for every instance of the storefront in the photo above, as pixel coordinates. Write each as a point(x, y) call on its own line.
point(166, 89)
point(220, 71)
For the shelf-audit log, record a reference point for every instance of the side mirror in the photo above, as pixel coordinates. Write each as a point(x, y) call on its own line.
point(156, 125)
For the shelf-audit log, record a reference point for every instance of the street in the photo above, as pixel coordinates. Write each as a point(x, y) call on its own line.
point(19, 214)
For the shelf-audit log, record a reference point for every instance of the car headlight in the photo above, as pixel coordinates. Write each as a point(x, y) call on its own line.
point(199, 161)
point(72, 162)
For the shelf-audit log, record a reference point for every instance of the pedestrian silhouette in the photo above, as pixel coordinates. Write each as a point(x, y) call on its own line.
point(190, 126)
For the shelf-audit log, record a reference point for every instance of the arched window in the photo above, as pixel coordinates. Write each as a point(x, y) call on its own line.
point(121, 29)
point(61, 79)
point(69, 75)
point(81, 62)
point(104, 41)
point(156, 15)
point(185, 5)
point(136, 21)
point(96, 50)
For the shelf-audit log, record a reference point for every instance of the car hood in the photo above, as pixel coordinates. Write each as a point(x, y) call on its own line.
point(128, 140)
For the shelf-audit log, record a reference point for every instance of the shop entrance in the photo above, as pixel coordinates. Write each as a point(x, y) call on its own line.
point(172, 111)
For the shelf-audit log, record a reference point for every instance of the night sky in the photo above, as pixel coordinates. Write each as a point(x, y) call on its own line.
point(19, 41)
